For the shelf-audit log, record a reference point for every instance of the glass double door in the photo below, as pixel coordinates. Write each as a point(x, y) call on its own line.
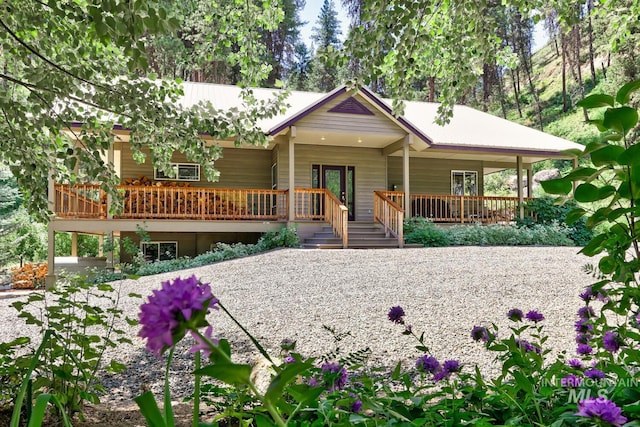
point(340, 181)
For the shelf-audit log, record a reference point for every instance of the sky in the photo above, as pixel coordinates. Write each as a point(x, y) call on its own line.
point(310, 16)
point(312, 10)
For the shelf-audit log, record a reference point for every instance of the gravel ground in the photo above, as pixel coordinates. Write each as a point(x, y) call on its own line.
point(292, 293)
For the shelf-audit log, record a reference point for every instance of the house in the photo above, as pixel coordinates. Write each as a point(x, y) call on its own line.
point(338, 160)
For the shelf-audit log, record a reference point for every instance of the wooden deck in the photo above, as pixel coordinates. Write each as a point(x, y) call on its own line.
point(311, 204)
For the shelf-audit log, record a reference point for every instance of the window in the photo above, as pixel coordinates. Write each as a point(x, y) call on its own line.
point(464, 183)
point(183, 172)
point(159, 251)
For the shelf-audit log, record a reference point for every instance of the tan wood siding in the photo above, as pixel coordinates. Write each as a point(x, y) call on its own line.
point(248, 168)
point(430, 176)
point(322, 119)
point(369, 165)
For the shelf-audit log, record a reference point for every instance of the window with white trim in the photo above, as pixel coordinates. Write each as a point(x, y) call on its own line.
point(159, 251)
point(464, 183)
point(182, 171)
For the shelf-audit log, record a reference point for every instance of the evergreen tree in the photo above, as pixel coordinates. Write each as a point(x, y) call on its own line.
point(325, 35)
point(282, 43)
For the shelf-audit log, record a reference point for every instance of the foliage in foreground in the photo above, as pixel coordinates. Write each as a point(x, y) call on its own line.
point(598, 385)
point(79, 323)
point(422, 231)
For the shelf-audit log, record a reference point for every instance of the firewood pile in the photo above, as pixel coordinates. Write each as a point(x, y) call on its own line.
point(179, 200)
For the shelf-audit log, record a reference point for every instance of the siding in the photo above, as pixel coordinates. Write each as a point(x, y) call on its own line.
point(239, 168)
point(323, 120)
point(369, 163)
point(432, 176)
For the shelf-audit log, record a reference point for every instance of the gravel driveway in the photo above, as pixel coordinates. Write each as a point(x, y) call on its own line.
point(292, 293)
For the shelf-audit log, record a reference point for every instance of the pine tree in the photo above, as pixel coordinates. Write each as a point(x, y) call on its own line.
point(324, 74)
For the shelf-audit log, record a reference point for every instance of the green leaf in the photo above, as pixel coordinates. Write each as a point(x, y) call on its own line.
point(304, 393)
point(587, 193)
point(581, 174)
point(557, 186)
point(230, 373)
point(630, 156)
point(596, 101)
point(606, 155)
point(284, 377)
point(574, 215)
point(620, 119)
point(624, 93)
point(149, 409)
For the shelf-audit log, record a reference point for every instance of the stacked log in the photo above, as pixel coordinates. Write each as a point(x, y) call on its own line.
point(188, 203)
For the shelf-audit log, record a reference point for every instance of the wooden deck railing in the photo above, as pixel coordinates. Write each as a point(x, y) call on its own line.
point(390, 214)
point(152, 202)
point(322, 204)
point(80, 201)
point(465, 209)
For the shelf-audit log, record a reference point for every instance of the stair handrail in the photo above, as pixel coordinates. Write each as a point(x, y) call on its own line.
point(390, 214)
point(337, 214)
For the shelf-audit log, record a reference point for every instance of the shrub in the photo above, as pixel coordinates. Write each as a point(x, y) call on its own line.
point(509, 235)
point(422, 231)
point(547, 212)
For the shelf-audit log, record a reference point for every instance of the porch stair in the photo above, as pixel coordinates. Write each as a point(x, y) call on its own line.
point(362, 235)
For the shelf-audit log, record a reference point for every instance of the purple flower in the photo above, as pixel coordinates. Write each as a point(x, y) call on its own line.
point(356, 406)
point(289, 359)
point(428, 364)
point(571, 380)
point(312, 382)
point(172, 310)
point(335, 376)
point(586, 312)
point(202, 345)
point(534, 316)
point(451, 366)
point(638, 320)
point(575, 363)
point(583, 326)
point(527, 346)
point(594, 374)
point(611, 341)
point(584, 349)
point(515, 314)
point(396, 314)
point(439, 376)
point(582, 338)
point(480, 333)
point(587, 295)
point(602, 409)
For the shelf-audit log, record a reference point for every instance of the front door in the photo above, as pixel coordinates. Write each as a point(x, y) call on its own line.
point(340, 181)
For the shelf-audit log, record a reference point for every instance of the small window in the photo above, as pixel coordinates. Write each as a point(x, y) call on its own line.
point(159, 251)
point(183, 172)
point(464, 183)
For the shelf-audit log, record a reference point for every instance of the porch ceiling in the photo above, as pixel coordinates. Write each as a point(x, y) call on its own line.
point(345, 139)
point(496, 157)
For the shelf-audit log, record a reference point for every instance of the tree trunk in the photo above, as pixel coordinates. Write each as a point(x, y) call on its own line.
point(579, 69)
point(555, 43)
point(590, 31)
point(501, 93)
point(565, 104)
point(516, 93)
point(432, 89)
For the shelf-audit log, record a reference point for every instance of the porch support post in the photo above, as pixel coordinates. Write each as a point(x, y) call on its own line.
point(110, 160)
point(575, 165)
point(520, 187)
point(50, 279)
point(292, 175)
point(110, 261)
point(529, 182)
point(74, 244)
point(408, 140)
